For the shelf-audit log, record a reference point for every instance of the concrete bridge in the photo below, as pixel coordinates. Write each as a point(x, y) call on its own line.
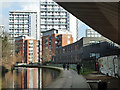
point(101, 16)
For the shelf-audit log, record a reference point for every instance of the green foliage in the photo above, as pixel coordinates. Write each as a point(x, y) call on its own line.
point(5, 40)
point(86, 71)
point(8, 59)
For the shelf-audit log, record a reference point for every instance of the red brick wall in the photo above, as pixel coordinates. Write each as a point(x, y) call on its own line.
point(25, 52)
point(64, 41)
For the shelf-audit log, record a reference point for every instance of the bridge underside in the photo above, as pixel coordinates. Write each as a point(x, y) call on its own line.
point(101, 16)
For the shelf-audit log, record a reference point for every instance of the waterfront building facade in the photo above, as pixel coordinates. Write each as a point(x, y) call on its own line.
point(54, 39)
point(23, 23)
point(29, 49)
point(53, 16)
point(85, 49)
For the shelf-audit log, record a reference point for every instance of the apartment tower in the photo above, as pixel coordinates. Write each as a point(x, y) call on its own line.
point(24, 23)
point(92, 33)
point(29, 49)
point(53, 39)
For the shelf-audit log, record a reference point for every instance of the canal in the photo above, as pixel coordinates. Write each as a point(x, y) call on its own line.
point(29, 78)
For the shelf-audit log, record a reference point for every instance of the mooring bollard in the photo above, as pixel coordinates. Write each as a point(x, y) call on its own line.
point(102, 85)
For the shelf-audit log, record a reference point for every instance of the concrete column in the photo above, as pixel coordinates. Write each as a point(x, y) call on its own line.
point(0, 62)
point(119, 65)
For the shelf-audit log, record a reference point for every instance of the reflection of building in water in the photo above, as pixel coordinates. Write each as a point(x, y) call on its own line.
point(46, 78)
point(36, 78)
point(31, 78)
point(11, 80)
point(25, 78)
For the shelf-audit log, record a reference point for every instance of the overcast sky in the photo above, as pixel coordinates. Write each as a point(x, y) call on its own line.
point(11, 5)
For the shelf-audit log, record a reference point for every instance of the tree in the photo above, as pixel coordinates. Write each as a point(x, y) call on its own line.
point(18, 53)
point(6, 51)
point(9, 57)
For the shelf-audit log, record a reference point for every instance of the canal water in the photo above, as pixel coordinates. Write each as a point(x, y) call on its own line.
point(29, 78)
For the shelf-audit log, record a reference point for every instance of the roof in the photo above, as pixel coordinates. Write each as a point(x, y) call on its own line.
point(54, 30)
point(48, 30)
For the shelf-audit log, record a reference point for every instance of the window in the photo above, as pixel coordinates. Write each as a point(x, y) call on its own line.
point(63, 50)
point(50, 37)
point(68, 42)
point(95, 55)
point(56, 31)
point(68, 36)
point(56, 42)
point(30, 43)
point(30, 46)
point(50, 47)
point(30, 53)
point(92, 41)
point(49, 43)
point(92, 54)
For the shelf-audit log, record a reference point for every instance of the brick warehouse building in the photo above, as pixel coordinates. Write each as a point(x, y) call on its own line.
point(29, 49)
point(86, 49)
point(53, 39)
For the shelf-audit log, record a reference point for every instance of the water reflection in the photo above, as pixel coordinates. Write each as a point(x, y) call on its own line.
point(29, 78)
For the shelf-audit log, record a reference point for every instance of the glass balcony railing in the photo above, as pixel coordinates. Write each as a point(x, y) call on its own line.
point(51, 16)
point(11, 22)
point(11, 18)
point(18, 28)
point(21, 18)
point(52, 22)
point(51, 9)
point(48, 3)
point(43, 2)
point(21, 23)
point(18, 23)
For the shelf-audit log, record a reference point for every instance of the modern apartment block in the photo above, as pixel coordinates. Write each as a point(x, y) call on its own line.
point(24, 23)
point(53, 39)
point(29, 48)
point(53, 16)
point(92, 33)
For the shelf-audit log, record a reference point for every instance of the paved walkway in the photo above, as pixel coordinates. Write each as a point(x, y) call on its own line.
point(69, 79)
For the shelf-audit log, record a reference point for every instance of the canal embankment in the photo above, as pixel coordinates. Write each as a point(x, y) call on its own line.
point(66, 78)
point(70, 79)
